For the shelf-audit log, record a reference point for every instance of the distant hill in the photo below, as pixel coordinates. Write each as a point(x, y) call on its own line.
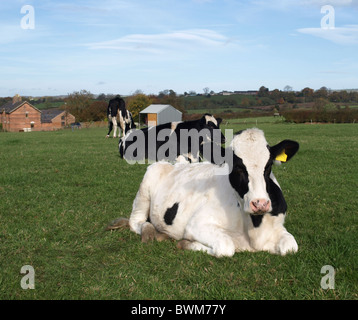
point(47, 105)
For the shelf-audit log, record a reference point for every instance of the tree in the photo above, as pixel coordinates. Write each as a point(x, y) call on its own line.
point(137, 103)
point(281, 101)
point(263, 92)
point(169, 97)
point(320, 104)
point(76, 103)
point(307, 94)
point(276, 95)
point(287, 88)
point(321, 93)
point(96, 111)
point(101, 97)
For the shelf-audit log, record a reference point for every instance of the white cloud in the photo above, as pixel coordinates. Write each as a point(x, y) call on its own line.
point(163, 43)
point(346, 35)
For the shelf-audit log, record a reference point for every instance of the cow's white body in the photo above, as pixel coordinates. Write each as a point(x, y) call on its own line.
point(210, 214)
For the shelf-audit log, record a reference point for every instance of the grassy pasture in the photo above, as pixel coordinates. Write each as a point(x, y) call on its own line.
point(58, 191)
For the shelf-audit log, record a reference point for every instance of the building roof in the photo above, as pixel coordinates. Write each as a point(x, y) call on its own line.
point(11, 107)
point(49, 114)
point(157, 108)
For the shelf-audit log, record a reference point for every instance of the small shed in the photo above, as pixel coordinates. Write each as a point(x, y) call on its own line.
point(157, 114)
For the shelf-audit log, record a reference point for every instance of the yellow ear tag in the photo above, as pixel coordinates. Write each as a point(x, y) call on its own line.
point(282, 156)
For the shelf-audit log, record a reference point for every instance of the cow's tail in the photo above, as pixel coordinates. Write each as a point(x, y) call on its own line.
point(119, 223)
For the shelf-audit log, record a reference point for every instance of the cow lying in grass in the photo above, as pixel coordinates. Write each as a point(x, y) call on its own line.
point(170, 140)
point(219, 214)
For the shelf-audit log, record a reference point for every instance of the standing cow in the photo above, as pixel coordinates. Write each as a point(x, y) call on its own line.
point(116, 107)
point(219, 214)
point(170, 140)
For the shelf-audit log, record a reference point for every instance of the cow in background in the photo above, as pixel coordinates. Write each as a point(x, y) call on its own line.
point(181, 139)
point(116, 107)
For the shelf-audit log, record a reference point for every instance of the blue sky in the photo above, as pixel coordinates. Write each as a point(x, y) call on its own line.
point(121, 46)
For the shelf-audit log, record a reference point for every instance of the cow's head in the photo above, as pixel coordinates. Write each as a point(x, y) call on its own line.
point(251, 176)
point(210, 123)
point(129, 122)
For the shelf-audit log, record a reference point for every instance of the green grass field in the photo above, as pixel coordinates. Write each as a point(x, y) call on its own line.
point(59, 190)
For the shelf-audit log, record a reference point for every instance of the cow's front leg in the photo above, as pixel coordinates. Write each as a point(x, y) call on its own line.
point(218, 250)
point(286, 244)
point(208, 238)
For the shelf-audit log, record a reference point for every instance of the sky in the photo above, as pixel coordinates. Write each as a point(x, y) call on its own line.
point(120, 46)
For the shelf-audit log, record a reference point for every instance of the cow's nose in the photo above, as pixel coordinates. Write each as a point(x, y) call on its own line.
point(260, 206)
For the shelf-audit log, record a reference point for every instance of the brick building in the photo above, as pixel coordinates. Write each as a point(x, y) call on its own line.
point(54, 119)
point(18, 115)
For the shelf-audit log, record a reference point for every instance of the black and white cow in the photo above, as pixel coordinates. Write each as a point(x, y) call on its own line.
point(170, 140)
point(127, 123)
point(220, 214)
point(117, 107)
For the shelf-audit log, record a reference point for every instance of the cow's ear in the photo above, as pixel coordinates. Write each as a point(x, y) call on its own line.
point(284, 150)
point(219, 120)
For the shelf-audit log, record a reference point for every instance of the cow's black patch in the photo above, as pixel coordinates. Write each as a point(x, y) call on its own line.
point(239, 177)
point(211, 124)
point(256, 220)
point(278, 201)
point(171, 213)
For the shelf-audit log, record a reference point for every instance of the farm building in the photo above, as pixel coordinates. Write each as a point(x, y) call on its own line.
point(18, 115)
point(157, 114)
point(53, 119)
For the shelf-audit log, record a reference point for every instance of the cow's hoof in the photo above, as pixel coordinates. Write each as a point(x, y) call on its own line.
point(184, 244)
point(119, 223)
point(224, 248)
point(287, 244)
point(161, 236)
point(148, 232)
